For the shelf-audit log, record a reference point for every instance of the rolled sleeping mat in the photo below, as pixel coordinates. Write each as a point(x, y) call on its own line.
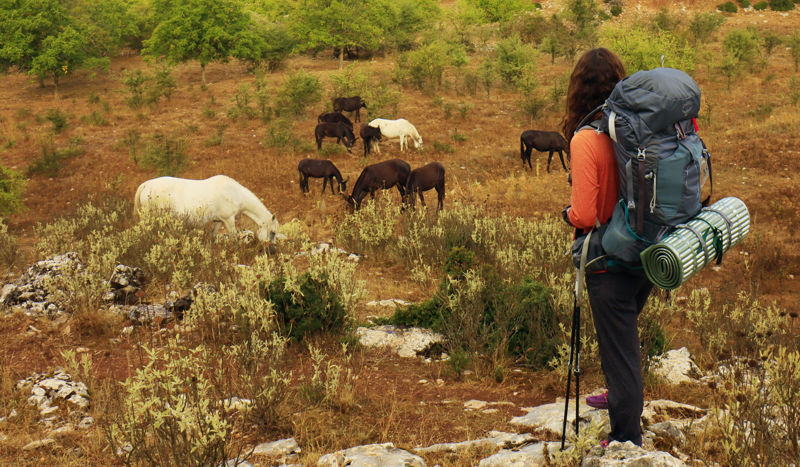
point(693, 245)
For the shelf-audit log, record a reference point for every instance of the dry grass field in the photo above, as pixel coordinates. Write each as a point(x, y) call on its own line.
point(749, 126)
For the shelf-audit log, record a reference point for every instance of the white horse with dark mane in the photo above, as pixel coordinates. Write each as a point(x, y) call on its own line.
point(216, 199)
point(400, 129)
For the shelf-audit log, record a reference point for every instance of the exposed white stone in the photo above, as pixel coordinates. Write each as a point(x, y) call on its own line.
point(48, 410)
point(86, 423)
point(629, 455)
point(62, 431)
point(405, 342)
point(389, 302)
point(495, 439)
point(530, 455)
point(475, 404)
point(377, 455)
point(38, 444)
point(677, 366)
point(550, 417)
point(280, 448)
point(660, 410)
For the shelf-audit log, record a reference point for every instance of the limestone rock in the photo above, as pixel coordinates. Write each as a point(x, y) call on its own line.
point(629, 455)
point(495, 439)
point(280, 448)
point(532, 454)
point(371, 455)
point(38, 444)
point(550, 417)
point(405, 342)
point(677, 366)
point(30, 290)
point(660, 410)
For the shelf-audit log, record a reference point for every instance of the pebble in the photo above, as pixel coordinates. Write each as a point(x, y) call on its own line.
point(38, 444)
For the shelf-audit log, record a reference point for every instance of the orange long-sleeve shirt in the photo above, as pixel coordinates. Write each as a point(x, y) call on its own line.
point(595, 182)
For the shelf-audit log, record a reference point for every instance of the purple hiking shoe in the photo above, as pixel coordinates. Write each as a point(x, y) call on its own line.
point(599, 401)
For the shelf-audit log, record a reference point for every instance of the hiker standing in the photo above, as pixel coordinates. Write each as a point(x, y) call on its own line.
point(616, 297)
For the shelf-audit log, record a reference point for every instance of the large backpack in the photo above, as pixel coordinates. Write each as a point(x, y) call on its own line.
point(661, 161)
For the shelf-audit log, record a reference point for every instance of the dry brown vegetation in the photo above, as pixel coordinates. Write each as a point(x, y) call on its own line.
point(750, 128)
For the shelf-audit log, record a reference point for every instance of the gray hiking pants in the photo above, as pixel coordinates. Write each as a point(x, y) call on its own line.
point(616, 299)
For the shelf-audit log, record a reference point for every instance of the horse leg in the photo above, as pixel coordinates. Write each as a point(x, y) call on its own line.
point(561, 156)
point(421, 198)
point(325, 182)
point(440, 194)
point(319, 143)
point(230, 225)
point(549, 158)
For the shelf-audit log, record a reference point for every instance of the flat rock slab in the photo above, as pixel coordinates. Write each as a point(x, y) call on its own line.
point(530, 455)
point(550, 418)
point(495, 439)
point(405, 342)
point(280, 448)
point(660, 410)
point(371, 455)
point(629, 455)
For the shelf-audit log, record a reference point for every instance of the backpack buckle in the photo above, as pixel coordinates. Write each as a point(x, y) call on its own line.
point(640, 154)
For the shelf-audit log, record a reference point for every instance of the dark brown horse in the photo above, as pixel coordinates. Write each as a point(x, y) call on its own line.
point(349, 104)
point(424, 178)
point(380, 176)
point(542, 141)
point(337, 130)
point(369, 135)
point(333, 117)
point(320, 168)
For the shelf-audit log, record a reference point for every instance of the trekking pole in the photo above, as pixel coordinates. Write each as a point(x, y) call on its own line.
point(575, 342)
point(572, 349)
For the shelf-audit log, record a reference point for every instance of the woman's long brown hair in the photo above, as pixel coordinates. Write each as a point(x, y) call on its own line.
point(590, 84)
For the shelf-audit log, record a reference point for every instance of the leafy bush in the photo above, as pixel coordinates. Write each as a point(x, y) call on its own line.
point(641, 49)
point(481, 314)
point(744, 3)
point(163, 153)
point(512, 58)
point(742, 46)
point(443, 147)
point(12, 184)
point(760, 6)
point(8, 245)
point(49, 163)
point(424, 67)
point(727, 7)
point(501, 10)
point(305, 305)
point(298, 91)
point(58, 119)
point(702, 26)
point(781, 5)
point(173, 413)
point(756, 412)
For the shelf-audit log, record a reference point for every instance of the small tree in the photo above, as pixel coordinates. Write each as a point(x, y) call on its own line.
point(203, 30)
point(299, 91)
point(741, 45)
point(703, 25)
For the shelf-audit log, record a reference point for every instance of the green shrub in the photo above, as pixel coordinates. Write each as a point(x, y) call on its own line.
point(8, 245)
point(744, 3)
point(424, 67)
point(443, 147)
point(781, 5)
point(58, 119)
point(760, 6)
point(163, 153)
point(49, 163)
point(742, 46)
point(298, 91)
point(241, 104)
point(172, 410)
point(641, 49)
point(135, 82)
point(702, 26)
point(12, 184)
point(279, 135)
point(305, 305)
point(727, 7)
point(513, 58)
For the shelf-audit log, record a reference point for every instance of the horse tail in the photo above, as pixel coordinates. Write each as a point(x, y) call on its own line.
point(522, 149)
point(137, 201)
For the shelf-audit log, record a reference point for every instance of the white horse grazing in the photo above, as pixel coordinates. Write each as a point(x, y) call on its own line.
point(217, 199)
point(397, 129)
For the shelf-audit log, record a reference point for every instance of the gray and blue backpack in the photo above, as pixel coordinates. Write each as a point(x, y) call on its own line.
point(662, 162)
